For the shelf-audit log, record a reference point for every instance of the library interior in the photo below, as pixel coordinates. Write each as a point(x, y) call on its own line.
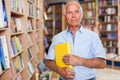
point(27, 28)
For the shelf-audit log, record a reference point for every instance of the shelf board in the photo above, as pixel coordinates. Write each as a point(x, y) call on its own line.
point(37, 18)
point(108, 6)
point(31, 1)
point(31, 59)
point(3, 29)
point(18, 74)
point(16, 13)
point(108, 22)
point(111, 47)
point(30, 31)
point(106, 31)
point(108, 39)
point(17, 33)
point(105, 14)
point(31, 17)
point(16, 54)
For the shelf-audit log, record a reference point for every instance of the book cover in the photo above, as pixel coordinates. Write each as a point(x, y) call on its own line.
point(60, 51)
point(5, 51)
point(2, 60)
point(5, 14)
point(1, 15)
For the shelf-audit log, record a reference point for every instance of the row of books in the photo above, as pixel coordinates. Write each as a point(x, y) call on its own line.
point(16, 25)
point(90, 21)
point(107, 2)
point(112, 50)
point(29, 40)
point(37, 13)
point(110, 43)
point(109, 35)
point(3, 15)
point(17, 5)
point(31, 9)
point(30, 69)
point(37, 3)
point(16, 46)
point(108, 18)
point(89, 5)
point(17, 66)
point(30, 25)
point(108, 27)
point(4, 56)
point(113, 10)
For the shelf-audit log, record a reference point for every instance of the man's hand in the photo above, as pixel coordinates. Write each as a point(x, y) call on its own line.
point(67, 73)
point(72, 60)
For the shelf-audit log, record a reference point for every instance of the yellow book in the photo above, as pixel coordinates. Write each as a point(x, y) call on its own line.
point(60, 51)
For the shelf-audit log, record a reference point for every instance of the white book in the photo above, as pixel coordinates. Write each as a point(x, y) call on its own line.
point(31, 68)
point(19, 24)
point(1, 15)
point(5, 51)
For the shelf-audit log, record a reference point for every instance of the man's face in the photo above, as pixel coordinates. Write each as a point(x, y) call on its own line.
point(73, 14)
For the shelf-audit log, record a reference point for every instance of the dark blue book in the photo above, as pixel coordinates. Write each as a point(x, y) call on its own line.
point(2, 60)
point(5, 13)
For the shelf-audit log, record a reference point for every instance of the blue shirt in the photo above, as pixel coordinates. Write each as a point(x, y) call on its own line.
point(84, 43)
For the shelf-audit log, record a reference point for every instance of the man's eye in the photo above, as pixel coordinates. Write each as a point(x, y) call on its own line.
point(77, 11)
point(69, 12)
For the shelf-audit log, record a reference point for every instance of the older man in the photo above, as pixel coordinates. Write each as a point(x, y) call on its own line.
point(87, 49)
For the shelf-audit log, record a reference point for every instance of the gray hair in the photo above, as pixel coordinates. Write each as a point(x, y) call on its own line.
point(71, 2)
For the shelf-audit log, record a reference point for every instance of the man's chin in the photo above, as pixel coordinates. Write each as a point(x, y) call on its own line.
point(74, 25)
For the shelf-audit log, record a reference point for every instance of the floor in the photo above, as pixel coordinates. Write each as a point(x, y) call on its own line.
point(108, 74)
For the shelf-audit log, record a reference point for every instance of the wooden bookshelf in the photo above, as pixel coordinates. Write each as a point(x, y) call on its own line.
point(89, 17)
point(24, 38)
point(56, 21)
point(108, 27)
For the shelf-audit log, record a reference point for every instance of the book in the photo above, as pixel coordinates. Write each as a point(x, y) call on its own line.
point(60, 51)
point(5, 14)
point(2, 60)
point(5, 51)
point(1, 15)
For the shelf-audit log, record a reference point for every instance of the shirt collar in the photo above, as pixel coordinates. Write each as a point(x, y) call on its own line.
point(80, 30)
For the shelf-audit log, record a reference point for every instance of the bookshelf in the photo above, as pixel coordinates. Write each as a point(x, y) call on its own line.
point(56, 21)
point(24, 38)
point(108, 27)
point(89, 17)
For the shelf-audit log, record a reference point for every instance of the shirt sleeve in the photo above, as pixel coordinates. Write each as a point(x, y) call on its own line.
point(97, 47)
point(51, 53)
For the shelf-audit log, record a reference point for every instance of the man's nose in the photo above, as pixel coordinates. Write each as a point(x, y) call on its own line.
point(73, 15)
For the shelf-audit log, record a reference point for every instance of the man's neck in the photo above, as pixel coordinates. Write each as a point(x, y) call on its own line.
point(73, 29)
